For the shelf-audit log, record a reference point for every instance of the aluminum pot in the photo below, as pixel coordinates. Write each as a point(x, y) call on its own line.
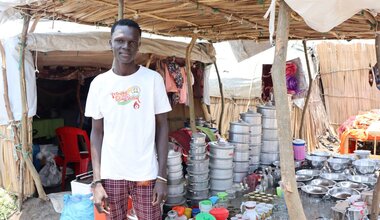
point(175, 168)
point(193, 156)
point(198, 148)
point(199, 177)
point(198, 166)
point(175, 181)
point(270, 146)
point(267, 111)
point(251, 117)
point(241, 166)
point(239, 137)
point(221, 173)
point(240, 146)
point(176, 199)
point(175, 175)
point(255, 130)
point(254, 150)
point(270, 134)
point(198, 138)
point(255, 139)
point(254, 159)
point(199, 185)
point(221, 149)
point(269, 158)
point(221, 163)
point(239, 176)
point(240, 127)
point(241, 156)
point(176, 189)
point(221, 184)
point(270, 123)
point(195, 194)
point(174, 158)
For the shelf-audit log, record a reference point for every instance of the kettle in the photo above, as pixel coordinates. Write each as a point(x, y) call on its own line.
point(250, 212)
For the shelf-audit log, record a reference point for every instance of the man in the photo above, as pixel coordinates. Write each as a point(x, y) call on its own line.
point(129, 137)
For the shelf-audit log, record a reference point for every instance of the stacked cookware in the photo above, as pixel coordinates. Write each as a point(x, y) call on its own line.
point(221, 166)
point(253, 118)
point(198, 169)
point(176, 183)
point(270, 146)
point(240, 137)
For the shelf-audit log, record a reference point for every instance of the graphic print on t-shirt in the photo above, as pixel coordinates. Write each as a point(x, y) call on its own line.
point(132, 94)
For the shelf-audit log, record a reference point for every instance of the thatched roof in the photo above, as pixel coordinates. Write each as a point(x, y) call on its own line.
point(214, 20)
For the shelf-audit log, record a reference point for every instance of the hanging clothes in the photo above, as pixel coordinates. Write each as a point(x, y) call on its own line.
point(197, 70)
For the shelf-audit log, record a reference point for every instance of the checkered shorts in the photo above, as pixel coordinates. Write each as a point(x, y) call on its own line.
point(118, 192)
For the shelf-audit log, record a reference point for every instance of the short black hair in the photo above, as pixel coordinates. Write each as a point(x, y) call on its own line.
point(126, 22)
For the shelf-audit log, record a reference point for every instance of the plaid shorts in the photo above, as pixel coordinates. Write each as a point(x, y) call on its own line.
point(118, 192)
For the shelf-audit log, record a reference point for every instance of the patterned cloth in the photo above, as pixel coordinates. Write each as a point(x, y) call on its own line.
point(118, 192)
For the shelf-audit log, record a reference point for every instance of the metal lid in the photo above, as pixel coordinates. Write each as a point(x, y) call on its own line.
point(198, 135)
point(250, 113)
point(270, 107)
point(240, 123)
point(221, 143)
point(173, 154)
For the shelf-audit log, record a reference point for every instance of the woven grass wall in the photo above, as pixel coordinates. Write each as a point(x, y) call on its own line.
point(9, 165)
point(344, 73)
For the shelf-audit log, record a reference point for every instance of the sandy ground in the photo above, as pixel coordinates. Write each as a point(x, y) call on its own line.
point(36, 209)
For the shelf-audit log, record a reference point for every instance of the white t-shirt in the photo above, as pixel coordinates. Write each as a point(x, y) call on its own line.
point(128, 105)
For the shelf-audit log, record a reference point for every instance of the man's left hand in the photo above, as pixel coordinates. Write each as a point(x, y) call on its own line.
point(160, 192)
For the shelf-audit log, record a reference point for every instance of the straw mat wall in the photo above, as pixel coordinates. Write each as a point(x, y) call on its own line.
point(344, 73)
point(9, 166)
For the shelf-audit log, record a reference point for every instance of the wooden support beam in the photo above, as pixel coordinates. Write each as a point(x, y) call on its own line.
point(222, 97)
point(308, 92)
point(376, 191)
point(34, 25)
point(289, 184)
point(120, 12)
point(190, 84)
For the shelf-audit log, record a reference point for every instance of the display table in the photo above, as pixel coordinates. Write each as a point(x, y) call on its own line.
point(45, 128)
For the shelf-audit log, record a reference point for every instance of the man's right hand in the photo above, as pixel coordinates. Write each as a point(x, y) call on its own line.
point(100, 199)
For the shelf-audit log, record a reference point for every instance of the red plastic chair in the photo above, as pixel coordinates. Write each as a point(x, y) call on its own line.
point(68, 142)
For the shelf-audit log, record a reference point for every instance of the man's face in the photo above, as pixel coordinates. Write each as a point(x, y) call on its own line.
point(125, 43)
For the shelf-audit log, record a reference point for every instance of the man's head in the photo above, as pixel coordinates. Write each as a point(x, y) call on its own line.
point(125, 41)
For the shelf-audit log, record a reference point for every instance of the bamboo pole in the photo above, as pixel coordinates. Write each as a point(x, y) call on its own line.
point(376, 191)
point(24, 119)
point(222, 96)
point(120, 14)
point(189, 83)
point(289, 185)
point(308, 92)
point(81, 112)
point(149, 60)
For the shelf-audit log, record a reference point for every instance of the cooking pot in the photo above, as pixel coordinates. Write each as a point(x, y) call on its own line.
point(176, 199)
point(267, 111)
point(251, 117)
point(175, 168)
point(269, 158)
point(241, 166)
point(254, 150)
point(270, 146)
point(239, 127)
point(198, 166)
point(255, 139)
point(270, 123)
point(239, 137)
point(174, 158)
point(221, 163)
point(175, 175)
point(221, 149)
point(198, 194)
point(240, 146)
point(270, 134)
point(193, 156)
point(199, 185)
point(221, 184)
point(199, 177)
point(221, 173)
point(254, 159)
point(239, 176)
point(176, 189)
point(198, 138)
point(255, 130)
point(198, 148)
point(241, 156)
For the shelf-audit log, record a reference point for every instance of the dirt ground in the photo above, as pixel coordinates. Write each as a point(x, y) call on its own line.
point(36, 209)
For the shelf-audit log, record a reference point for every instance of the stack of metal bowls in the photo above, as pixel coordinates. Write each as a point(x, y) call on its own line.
point(270, 147)
point(254, 120)
point(221, 166)
point(198, 169)
point(176, 183)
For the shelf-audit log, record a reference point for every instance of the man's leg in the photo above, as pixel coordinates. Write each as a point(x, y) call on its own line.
point(142, 197)
point(118, 199)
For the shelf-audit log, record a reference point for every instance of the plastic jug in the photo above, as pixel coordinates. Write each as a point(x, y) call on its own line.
point(250, 212)
point(220, 213)
point(205, 206)
point(172, 215)
point(204, 216)
point(222, 199)
point(188, 212)
point(299, 149)
point(180, 212)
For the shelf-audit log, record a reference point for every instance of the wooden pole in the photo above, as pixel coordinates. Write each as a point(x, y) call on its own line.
point(189, 83)
point(81, 112)
point(24, 119)
point(308, 92)
point(34, 24)
point(149, 60)
point(289, 184)
point(120, 14)
point(222, 97)
point(376, 191)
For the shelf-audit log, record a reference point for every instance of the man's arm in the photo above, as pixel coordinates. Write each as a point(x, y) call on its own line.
point(96, 146)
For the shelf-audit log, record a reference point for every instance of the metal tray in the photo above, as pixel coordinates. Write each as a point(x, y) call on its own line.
point(303, 178)
point(333, 176)
point(352, 185)
point(314, 190)
point(307, 172)
point(342, 192)
point(369, 180)
point(323, 182)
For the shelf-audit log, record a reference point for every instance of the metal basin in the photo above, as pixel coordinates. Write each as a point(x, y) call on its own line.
point(321, 154)
point(338, 164)
point(362, 179)
point(300, 184)
point(350, 157)
point(303, 178)
point(333, 176)
point(362, 154)
point(323, 182)
point(352, 185)
point(314, 190)
point(316, 161)
point(306, 172)
point(365, 166)
point(342, 192)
